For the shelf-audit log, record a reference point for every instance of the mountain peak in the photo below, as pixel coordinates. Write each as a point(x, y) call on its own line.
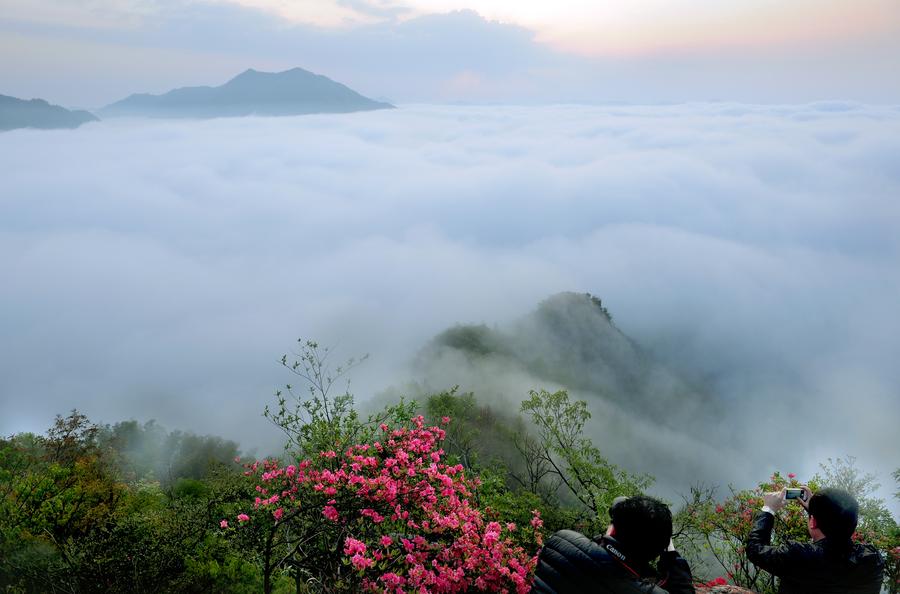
point(251, 74)
point(569, 340)
point(290, 92)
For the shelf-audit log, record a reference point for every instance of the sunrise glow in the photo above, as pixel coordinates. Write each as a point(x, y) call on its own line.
point(598, 28)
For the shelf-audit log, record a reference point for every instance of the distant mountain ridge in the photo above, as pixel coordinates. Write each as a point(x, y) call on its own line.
point(37, 113)
point(292, 92)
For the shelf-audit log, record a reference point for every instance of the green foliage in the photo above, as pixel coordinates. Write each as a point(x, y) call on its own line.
point(478, 437)
point(562, 454)
point(478, 341)
point(540, 460)
point(54, 489)
point(843, 473)
point(149, 452)
point(599, 305)
point(462, 442)
point(515, 505)
point(188, 488)
point(316, 419)
point(70, 522)
point(232, 572)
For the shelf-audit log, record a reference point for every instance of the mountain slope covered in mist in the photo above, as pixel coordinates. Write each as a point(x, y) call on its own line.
point(292, 92)
point(37, 113)
point(646, 416)
point(570, 340)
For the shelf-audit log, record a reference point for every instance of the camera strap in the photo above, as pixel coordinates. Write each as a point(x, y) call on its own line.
point(619, 555)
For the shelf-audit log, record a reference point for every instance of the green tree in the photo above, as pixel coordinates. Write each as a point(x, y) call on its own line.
point(843, 473)
point(56, 489)
point(318, 417)
point(72, 521)
point(463, 441)
point(560, 452)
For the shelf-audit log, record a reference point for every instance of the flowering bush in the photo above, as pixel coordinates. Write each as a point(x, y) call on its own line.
point(388, 516)
point(888, 542)
point(722, 529)
point(721, 588)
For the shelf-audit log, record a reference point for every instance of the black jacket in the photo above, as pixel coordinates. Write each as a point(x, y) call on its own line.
point(571, 563)
point(814, 568)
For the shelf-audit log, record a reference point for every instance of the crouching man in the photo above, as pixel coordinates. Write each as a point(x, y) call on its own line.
point(618, 562)
point(832, 563)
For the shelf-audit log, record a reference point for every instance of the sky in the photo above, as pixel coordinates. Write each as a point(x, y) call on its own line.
point(88, 53)
point(160, 268)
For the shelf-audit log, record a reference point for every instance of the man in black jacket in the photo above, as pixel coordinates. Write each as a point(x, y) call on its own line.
point(619, 562)
point(832, 563)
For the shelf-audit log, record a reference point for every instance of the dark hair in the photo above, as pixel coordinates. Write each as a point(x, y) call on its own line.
point(836, 512)
point(643, 525)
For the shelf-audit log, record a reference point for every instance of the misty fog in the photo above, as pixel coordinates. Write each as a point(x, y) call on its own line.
point(159, 269)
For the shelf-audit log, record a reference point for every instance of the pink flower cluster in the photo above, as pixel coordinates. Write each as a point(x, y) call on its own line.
point(409, 520)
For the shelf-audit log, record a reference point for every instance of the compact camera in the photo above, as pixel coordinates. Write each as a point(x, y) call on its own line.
point(795, 494)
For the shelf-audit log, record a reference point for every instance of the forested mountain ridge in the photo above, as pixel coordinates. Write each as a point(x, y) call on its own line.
point(570, 341)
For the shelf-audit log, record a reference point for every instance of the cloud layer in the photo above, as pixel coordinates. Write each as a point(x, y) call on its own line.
point(160, 268)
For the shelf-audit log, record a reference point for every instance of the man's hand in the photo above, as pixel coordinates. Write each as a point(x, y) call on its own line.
point(804, 501)
point(774, 500)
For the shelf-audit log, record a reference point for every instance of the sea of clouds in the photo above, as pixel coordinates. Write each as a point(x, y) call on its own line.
point(159, 269)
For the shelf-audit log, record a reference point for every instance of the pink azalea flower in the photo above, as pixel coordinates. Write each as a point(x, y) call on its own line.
point(330, 512)
point(353, 546)
point(360, 562)
point(404, 485)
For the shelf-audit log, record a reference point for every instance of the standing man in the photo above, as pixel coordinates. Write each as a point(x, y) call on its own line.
point(620, 561)
point(832, 563)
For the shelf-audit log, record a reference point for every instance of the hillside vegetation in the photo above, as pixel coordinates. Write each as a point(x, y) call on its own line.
point(442, 494)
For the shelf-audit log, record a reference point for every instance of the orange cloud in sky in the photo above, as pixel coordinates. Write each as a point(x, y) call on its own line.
point(635, 27)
